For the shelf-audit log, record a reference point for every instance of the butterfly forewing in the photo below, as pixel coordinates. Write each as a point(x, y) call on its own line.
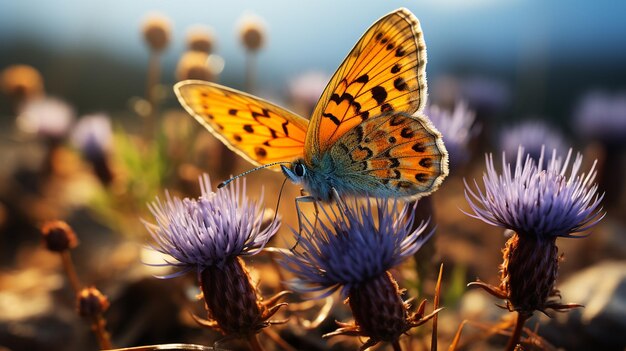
point(384, 72)
point(258, 130)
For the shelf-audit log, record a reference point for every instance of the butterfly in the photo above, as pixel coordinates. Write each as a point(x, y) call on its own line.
point(367, 134)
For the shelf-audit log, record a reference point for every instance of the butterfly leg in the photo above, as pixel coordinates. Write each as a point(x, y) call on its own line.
point(308, 199)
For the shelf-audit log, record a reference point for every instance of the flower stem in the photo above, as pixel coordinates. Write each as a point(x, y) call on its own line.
point(396, 345)
point(99, 329)
point(68, 266)
point(517, 332)
point(254, 343)
point(250, 72)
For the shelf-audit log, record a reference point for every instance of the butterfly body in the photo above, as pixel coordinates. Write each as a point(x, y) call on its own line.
point(366, 136)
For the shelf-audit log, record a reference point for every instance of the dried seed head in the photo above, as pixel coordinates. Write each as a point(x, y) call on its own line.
point(529, 272)
point(58, 236)
point(21, 82)
point(156, 31)
point(200, 39)
point(193, 65)
point(252, 32)
point(91, 302)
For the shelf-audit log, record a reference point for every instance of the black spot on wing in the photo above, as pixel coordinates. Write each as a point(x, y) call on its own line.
point(418, 147)
point(400, 84)
point(260, 152)
point(407, 132)
point(232, 112)
point(379, 94)
point(421, 177)
point(363, 79)
point(396, 68)
point(332, 117)
point(426, 162)
point(248, 128)
point(400, 52)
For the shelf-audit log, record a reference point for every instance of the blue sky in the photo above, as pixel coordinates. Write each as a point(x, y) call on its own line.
point(316, 35)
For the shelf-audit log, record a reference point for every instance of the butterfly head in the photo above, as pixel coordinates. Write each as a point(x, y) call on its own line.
point(296, 172)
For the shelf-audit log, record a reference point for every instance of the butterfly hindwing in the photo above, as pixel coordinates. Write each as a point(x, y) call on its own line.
point(384, 72)
point(259, 131)
point(392, 154)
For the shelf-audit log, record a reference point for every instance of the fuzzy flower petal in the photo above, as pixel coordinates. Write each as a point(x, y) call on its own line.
point(457, 128)
point(198, 233)
point(533, 201)
point(352, 244)
point(533, 136)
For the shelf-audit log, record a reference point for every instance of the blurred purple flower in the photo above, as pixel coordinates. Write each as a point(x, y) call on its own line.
point(537, 202)
point(210, 230)
point(46, 117)
point(533, 136)
point(485, 94)
point(306, 89)
point(457, 128)
point(93, 134)
point(359, 244)
point(602, 116)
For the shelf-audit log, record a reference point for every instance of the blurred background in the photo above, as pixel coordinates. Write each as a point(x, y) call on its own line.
point(90, 131)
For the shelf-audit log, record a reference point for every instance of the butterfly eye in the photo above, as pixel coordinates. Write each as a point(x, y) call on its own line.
point(299, 169)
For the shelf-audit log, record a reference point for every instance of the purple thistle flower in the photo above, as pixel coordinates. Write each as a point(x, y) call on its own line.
point(538, 202)
point(208, 231)
point(457, 128)
point(46, 117)
point(533, 136)
point(359, 244)
point(352, 248)
point(602, 116)
point(93, 134)
point(211, 234)
point(485, 93)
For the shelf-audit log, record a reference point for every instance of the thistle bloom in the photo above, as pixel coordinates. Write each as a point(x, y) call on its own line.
point(351, 249)
point(602, 116)
point(533, 136)
point(539, 204)
point(209, 235)
point(46, 117)
point(93, 136)
point(457, 128)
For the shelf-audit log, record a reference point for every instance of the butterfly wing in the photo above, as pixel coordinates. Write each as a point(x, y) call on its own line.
point(385, 71)
point(390, 155)
point(259, 131)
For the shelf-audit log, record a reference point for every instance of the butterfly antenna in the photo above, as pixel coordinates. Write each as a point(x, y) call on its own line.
point(226, 182)
point(280, 195)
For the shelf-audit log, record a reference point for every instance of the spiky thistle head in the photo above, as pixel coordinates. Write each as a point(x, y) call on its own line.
point(351, 248)
point(539, 204)
point(211, 234)
point(209, 230)
point(533, 200)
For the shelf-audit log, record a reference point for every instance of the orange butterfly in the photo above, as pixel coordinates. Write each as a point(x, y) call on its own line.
point(367, 135)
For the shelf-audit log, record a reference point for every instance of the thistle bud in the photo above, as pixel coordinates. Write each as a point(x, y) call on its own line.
point(91, 302)
point(252, 33)
point(58, 236)
point(200, 39)
point(21, 82)
point(156, 31)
